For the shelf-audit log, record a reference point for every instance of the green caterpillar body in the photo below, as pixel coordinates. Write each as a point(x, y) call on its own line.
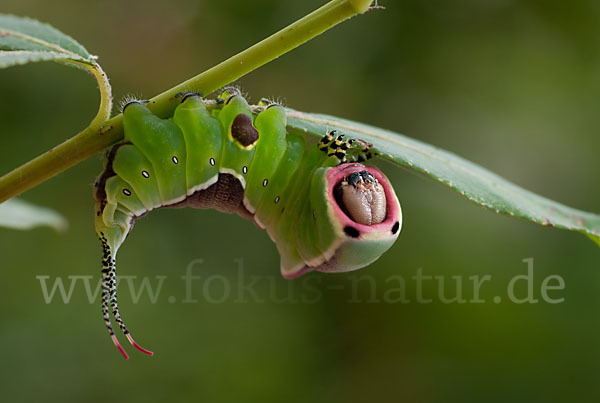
point(322, 213)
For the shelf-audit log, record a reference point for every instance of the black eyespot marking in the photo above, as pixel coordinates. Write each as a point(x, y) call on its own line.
point(277, 199)
point(245, 170)
point(145, 174)
point(353, 178)
point(351, 231)
point(367, 176)
point(175, 160)
point(127, 192)
point(265, 183)
point(395, 228)
point(212, 162)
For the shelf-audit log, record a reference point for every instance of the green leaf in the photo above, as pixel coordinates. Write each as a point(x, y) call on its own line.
point(470, 180)
point(21, 33)
point(13, 58)
point(19, 214)
point(23, 40)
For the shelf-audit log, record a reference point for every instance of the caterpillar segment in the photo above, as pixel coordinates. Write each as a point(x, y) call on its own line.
point(323, 209)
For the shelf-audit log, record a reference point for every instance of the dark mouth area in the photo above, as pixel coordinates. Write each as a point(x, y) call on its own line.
point(337, 194)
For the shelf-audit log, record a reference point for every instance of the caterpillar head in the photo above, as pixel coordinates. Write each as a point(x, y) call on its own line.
point(357, 215)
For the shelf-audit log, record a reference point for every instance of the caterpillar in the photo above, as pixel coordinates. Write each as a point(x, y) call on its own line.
point(322, 207)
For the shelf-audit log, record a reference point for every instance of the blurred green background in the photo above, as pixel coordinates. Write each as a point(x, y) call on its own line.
point(511, 85)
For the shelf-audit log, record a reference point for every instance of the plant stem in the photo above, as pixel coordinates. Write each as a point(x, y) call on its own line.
point(105, 95)
point(94, 139)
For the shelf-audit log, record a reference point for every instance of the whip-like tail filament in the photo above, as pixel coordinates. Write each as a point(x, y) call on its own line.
point(109, 298)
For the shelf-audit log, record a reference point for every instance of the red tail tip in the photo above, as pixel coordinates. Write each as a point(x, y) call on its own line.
point(134, 344)
point(118, 345)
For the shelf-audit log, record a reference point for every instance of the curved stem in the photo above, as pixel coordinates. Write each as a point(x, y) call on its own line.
point(94, 138)
point(105, 95)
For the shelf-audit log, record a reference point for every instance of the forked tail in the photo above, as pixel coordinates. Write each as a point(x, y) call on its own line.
point(109, 297)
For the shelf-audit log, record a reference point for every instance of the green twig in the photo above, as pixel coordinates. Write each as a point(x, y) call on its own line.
point(95, 138)
point(105, 95)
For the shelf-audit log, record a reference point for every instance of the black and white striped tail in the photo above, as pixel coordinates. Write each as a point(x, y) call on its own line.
point(109, 297)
